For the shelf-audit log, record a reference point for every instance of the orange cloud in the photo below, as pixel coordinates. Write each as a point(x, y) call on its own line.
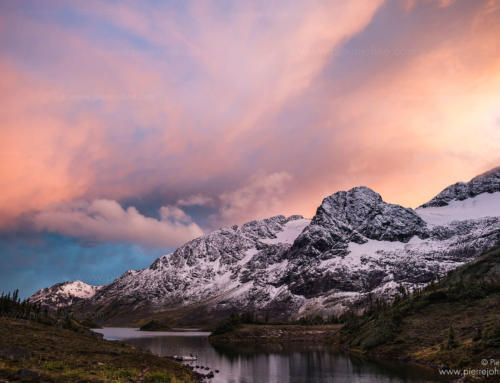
point(433, 120)
point(36, 157)
point(251, 110)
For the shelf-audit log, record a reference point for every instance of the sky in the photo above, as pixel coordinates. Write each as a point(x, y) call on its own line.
point(130, 127)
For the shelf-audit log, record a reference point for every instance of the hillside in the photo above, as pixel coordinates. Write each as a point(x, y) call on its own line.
point(454, 322)
point(34, 352)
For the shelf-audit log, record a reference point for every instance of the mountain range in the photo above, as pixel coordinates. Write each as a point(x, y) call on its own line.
point(355, 248)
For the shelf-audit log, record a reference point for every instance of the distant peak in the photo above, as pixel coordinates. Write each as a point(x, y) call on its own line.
point(488, 175)
point(487, 182)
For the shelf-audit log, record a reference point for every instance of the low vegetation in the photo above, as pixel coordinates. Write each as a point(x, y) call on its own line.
point(12, 307)
point(38, 345)
point(31, 351)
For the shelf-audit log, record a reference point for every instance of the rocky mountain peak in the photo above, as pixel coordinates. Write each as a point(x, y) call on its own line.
point(364, 211)
point(343, 204)
point(488, 176)
point(488, 182)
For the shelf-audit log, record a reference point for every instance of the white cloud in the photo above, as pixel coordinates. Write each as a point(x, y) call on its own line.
point(105, 220)
point(196, 200)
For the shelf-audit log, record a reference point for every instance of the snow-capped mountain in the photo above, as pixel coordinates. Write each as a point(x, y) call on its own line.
point(223, 267)
point(64, 294)
point(488, 182)
point(356, 246)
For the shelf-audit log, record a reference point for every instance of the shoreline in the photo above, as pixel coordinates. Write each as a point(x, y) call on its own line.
point(310, 335)
point(269, 333)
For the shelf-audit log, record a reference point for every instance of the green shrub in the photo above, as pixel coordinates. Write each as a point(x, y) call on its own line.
point(74, 375)
point(383, 331)
point(56, 365)
point(491, 336)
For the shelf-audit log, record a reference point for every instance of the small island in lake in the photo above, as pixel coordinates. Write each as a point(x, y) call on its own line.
point(154, 325)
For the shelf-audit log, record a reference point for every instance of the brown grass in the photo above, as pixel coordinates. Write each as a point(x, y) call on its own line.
point(59, 355)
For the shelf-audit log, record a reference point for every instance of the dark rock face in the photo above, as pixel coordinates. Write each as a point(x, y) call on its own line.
point(488, 182)
point(364, 212)
point(356, 247)
point(355, 216)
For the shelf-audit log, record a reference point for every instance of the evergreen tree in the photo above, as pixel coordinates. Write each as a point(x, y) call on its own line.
point(452, 341)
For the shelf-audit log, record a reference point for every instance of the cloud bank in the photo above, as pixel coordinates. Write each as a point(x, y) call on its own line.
point(106, 221)
point(232, 111)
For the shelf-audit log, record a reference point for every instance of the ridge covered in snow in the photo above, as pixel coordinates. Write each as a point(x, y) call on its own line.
point(480, 206)
point(355, 246)
point(64, 294)
point(488, 182)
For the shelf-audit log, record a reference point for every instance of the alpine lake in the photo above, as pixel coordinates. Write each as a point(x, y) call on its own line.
point(270, 363)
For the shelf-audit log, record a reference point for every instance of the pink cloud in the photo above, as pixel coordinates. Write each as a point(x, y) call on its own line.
point(260, 197)
point(189, 104)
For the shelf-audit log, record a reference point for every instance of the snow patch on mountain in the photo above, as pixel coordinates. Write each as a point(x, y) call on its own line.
point(64, 294)
point(480, 206)
point(79, 289)
point(290, 231)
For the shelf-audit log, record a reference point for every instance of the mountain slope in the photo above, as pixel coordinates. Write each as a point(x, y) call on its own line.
point(453, 322)
point(355, 246)
point(230, 267)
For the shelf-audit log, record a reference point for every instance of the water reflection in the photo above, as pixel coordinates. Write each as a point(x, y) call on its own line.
point(273, 363)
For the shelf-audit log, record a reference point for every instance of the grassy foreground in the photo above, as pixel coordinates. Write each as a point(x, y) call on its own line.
point(34, 352)
point(454, 322)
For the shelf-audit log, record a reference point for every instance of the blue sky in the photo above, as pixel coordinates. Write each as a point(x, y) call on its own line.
point(33, 261)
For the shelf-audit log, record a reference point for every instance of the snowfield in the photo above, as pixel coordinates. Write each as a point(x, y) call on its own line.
point(480, 206)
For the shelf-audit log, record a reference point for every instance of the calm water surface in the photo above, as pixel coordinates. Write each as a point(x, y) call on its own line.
point(270, 364)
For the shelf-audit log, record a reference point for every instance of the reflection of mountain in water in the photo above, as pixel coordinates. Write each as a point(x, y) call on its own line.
point(279, 363)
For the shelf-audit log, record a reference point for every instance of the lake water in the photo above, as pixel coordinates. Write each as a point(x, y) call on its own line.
point(271, 364)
